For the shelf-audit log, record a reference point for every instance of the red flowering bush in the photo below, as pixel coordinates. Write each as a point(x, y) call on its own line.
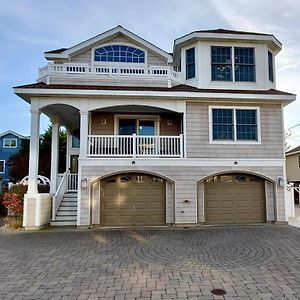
point(13, 202)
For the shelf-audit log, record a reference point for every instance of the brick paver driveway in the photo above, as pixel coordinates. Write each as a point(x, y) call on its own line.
point(249, 262)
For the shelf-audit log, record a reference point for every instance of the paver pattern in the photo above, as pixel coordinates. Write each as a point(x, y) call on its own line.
point(249, 262)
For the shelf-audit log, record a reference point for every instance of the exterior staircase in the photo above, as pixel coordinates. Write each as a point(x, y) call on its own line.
point(67, 211)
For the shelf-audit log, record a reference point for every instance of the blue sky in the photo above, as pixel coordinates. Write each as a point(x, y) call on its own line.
point(30, 27)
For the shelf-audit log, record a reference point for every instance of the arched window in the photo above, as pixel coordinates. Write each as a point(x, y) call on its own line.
point(120, 53)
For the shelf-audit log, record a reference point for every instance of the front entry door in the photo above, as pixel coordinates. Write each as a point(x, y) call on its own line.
point(74, 164)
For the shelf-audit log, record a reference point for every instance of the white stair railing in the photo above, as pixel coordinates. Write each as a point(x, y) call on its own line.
point(57, 198)
point(72, 182)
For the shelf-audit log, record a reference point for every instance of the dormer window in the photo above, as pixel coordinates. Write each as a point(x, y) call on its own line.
point(10, 143)
point(190, 63)
point(226, 59)
point(119, 53)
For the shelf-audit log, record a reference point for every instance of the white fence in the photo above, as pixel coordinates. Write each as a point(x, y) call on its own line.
point(135, 146)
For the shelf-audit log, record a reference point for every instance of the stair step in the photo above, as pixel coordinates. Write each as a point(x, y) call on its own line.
point(67, 213)
point(67, 208)
point(66, 218)
point(73, 195)
point(68, 203)
point(69, 200)
point(63, 223)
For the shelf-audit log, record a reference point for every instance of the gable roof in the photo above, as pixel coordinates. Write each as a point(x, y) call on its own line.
point(295, 150)
point(67, 52)
point(12, 133)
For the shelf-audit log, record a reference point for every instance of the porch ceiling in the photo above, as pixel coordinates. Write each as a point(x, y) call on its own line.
point(68, 116)
point(135, 109)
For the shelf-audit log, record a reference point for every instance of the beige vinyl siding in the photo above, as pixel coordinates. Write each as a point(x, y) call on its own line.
point(155, 60)
point(292, 167)
point(108, 128)
point(102, 129)
point(197, 134)
point(185, 179)
point(174, 129)
point(84, 57)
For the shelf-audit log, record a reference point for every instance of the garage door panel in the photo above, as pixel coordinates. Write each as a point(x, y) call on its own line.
point(234, 199)
point(138, 200)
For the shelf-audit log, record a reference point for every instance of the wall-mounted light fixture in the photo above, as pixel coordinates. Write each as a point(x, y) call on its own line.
point(103, 121)
point(84, 183)
point(280, 181)
point(169, 122)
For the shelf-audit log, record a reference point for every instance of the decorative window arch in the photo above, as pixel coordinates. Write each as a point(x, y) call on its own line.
point(119, 53)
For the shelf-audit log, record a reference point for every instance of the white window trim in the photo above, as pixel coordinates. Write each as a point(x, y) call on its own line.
point(185, 50)
point(233, 65)
point(9, 147)
point(3, 166)
point(235, 141)
point(116, 63)
point(154, 118)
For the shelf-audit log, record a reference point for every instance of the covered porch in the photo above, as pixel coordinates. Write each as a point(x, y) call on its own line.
point(109, 132)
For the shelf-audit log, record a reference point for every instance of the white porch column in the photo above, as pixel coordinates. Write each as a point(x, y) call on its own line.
point(34, 152)
point(84, 131)
point(54, 156)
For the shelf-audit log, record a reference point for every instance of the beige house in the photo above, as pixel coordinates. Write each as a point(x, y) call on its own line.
point(188, 138)
point(293, 169)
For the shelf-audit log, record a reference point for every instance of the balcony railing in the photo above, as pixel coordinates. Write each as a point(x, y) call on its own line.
point(86, 69)
point(135, 146)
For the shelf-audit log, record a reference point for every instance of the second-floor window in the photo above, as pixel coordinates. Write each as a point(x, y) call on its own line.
point(119, 53)
point(234, 124)
point(2, 166)
point(232, 64)
point(299, 161)
point(190, 63)
point(270, 66)
point(10, 143)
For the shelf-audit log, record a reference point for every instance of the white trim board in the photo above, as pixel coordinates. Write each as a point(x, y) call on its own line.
point(139, 94)
point(186, 162)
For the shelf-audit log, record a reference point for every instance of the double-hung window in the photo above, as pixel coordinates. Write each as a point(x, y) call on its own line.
point(232, 64)
point(234, 124)
point(10, 143)
point(298, 161)
point(190, 63)
point(2, 166)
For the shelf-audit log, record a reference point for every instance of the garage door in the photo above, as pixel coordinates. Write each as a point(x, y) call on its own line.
point(234, 198)
point(133, 200)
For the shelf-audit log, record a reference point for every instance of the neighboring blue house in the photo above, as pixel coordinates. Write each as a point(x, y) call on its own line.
point(10, 143)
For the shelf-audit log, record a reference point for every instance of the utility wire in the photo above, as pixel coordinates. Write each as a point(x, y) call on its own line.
point(293, 126)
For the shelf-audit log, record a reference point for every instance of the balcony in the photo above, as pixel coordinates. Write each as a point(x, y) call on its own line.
point(90, 71)
point(135, 146)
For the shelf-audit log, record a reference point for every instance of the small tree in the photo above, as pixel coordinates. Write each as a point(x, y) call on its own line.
point(19, 163)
